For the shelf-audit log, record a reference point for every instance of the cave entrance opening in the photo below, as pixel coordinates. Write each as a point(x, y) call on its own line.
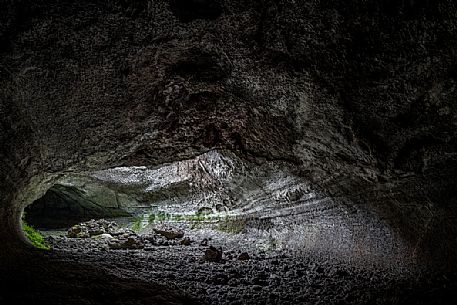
point(194, 196)
point(216, 219)
point(214, 196)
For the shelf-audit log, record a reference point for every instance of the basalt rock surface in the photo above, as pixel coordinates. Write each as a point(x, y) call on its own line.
point(65, 205)
point(357, 97)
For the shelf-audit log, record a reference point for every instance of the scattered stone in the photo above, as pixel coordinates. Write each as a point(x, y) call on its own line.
point(104, 236)
point(213, 254)
point(123, 231)
point(220, 279)
point(220, 208)
point(342, 273)
point(151, 238)
point(92, 228)
point(186, 241)
point(131, 242)
point(169, 234)
point(269, 278)
point(244, 256)
point(148, 248)
point(204, 242)
point(78, 231)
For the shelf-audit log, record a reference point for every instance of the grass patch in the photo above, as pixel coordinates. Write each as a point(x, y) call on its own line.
point(178, 217)
point(136, 225)
point(232, 225)
point(196, 217)
point(162, 216)
point(35, 237)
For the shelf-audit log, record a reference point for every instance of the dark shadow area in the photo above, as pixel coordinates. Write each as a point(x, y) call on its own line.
point(48, 279)
point(276, 152)
point(64, 206)
point(188, 10)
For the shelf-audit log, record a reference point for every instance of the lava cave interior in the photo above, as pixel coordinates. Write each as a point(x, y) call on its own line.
point(228, 152)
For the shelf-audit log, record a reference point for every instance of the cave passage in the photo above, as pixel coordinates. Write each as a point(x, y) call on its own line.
point(233, 152)
point(220, 193)
point(216, 223)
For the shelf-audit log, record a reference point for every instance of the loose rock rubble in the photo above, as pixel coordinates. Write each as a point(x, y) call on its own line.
point(221, 274)
point(92, 228)
point(169, 234)
point(109, 235)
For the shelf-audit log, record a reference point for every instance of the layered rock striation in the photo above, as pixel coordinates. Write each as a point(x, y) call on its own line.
point(358, 98)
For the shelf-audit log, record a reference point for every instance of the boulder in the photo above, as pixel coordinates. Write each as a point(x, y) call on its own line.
point(213, 254)
point(170, 234)
point(130, 242)
point(92, 228)
point(244, 256)
point(103, 236)
point(78, 231)
point(186, 241)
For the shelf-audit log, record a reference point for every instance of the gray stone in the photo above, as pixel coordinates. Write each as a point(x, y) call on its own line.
point(169, 234)
point(129, 242)
point(213, 254)
point(244, 256)
point(186, 241)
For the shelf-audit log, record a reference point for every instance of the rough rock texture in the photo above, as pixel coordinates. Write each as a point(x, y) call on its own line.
point(266, 278)
point(264, 199)
point(92, 228)
point(65, 205)
point(357, 96)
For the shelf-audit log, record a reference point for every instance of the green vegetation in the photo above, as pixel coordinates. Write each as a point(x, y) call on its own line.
point(34, 236)
point(232, 225)
point(162, 216)
point(196, 217)
point(136, 225)
point(178, 217)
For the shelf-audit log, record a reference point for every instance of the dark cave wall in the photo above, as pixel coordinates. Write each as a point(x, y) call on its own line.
point(358, 95)
point(63, 206)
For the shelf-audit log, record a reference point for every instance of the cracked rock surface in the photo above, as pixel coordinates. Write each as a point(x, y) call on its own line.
point(357, 98)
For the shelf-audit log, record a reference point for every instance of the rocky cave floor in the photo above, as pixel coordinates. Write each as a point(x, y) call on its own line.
point(183, 273)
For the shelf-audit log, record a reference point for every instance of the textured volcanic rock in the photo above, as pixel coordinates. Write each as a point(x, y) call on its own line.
point(63, 206)
point(92, 228)
point(272, 278)
point(266, 199)
point(358, 98)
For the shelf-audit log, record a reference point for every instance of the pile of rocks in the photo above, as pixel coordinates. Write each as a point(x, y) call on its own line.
point(125, 239)
point(109, 235)
point(169, 234)
point(92, 228)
